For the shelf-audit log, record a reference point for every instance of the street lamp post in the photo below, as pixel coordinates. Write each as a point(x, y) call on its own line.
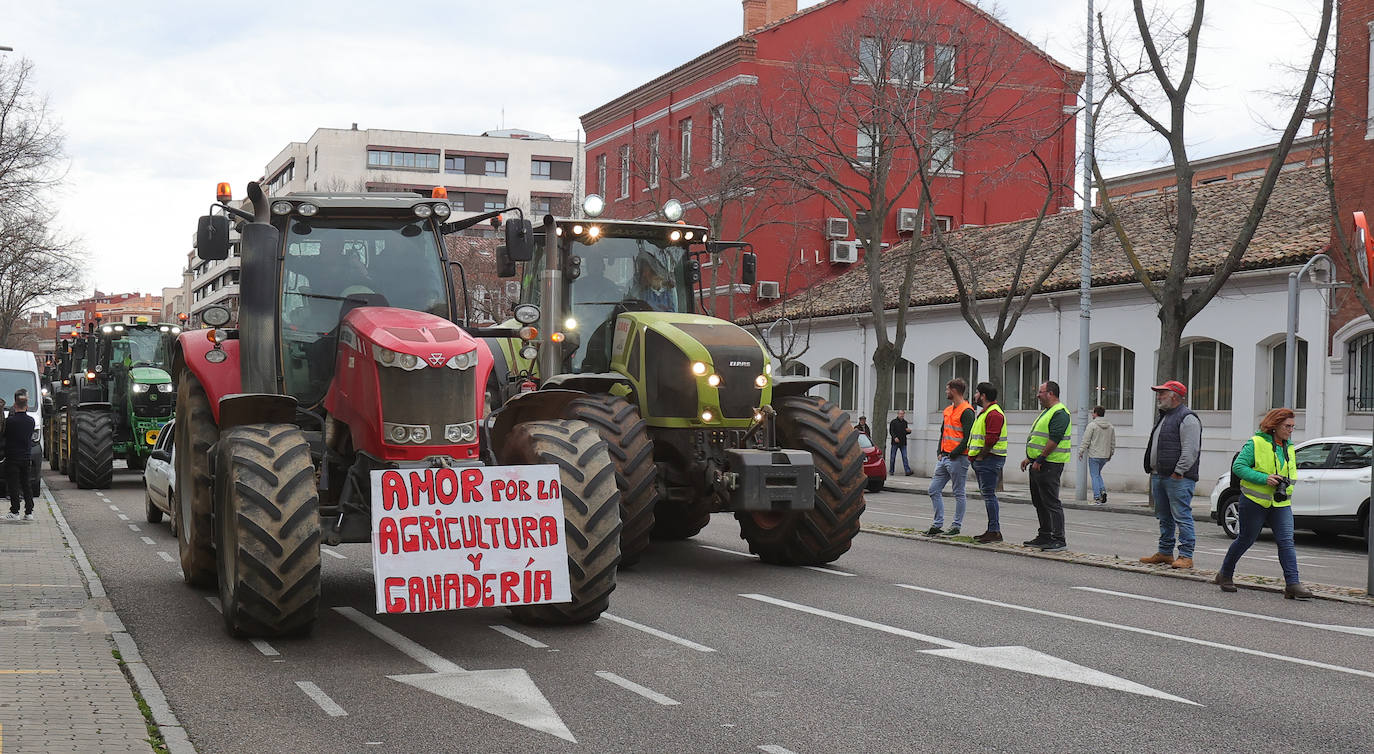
point(1085, 296)
point(1290, 348)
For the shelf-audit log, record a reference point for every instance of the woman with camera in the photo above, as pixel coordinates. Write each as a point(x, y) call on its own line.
point(1266, 468)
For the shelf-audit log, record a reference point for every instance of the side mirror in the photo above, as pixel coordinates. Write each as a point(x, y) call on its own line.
point(519, 240)
point(749, 264)
point(162, 455)
point(505, 266)
point(212, 237)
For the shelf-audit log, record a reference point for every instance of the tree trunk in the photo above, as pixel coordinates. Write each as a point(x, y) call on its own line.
point(884, 358)
point(1171, 365)
point(994, 368)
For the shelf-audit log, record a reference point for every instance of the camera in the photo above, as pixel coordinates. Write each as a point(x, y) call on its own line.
point(1281, 491)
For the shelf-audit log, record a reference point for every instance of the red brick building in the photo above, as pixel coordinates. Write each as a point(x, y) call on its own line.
point(669, 137)
point(112, 307)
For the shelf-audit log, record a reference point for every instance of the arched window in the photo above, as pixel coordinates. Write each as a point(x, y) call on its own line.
point(1207, 363)
point(955, 365)
point(1359, 371)
point(1022, 374)
point(903, 385)
point(1112, 375)
point(797, 369)
point(846, 373)
point(1277, 365)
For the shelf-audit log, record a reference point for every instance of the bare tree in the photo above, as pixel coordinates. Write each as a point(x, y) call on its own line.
point(1163, 70)
point(36, 267)
point(860, 123)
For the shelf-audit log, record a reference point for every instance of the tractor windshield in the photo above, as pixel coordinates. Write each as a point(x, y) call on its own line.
point(334, 265)
point(144, 347)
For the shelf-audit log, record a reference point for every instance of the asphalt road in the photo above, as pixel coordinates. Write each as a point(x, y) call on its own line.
point(901, 645)
point(1340, 561)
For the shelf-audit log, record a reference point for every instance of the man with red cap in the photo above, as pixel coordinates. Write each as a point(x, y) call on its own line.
point(1171, 459)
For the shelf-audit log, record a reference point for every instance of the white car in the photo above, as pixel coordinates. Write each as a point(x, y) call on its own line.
point(1331, 495)
point(159, 477)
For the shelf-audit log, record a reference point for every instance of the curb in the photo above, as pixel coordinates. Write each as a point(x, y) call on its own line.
point(1347, 595)
point(173, 734)
point(1136, 510)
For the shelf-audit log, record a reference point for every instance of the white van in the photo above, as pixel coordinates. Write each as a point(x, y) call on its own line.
point(19, 369)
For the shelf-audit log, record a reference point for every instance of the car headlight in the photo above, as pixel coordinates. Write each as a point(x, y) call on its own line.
point(140, 387)
point(166, 387)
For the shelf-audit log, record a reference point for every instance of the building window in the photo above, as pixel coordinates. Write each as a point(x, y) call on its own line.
point(797, 369)
point(380, 158)
point(684, 127)
point(282, 178)
point(867, 151)
point(846, 373)
point(941, 151)
point(1278, 360)
point(1359, 369)
point(601, 175)
point(958, 365)
point(493, 202)
point(624, 171)
point(903, 385)
point(653, 160)
point(717, 136)
point(945, 223)
point(944, 65)
point(906, 62)
point(496, 168)
point(870, 58)
point(1112, 375)
point(541, 170)
point(540, 206)
point(1207, 365)
point(1021, 378)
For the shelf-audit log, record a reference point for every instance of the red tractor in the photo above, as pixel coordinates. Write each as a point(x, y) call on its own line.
point(351, 355)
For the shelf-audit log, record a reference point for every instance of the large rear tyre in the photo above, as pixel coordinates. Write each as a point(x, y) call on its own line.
point(267, 531)
point(591, 513)
point(66, 448)
point(50, 444)
point(627, 438)
point(825, 532)
point(93, 449)
point(195, 433)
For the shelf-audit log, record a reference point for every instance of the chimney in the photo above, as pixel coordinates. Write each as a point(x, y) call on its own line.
point(355, 127)
point(763, 12)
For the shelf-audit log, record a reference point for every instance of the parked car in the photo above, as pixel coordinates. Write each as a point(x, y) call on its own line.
point(159, 477)
point(874, 466)
point(1331, 494)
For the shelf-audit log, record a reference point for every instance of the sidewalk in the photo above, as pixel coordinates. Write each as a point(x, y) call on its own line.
point(61, 687)
point(1117, 502)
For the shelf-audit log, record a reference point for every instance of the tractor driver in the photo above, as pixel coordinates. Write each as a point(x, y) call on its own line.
point(653, 283)
point(324, 278)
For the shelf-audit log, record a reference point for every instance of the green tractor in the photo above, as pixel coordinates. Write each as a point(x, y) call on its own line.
point(696, 419)
point(117, 396)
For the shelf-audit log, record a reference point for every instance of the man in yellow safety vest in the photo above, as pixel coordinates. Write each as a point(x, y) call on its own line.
point(987, 450)
point(1047, 451)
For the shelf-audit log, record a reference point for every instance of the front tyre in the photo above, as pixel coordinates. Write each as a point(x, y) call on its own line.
point(1230, 515)
point(195, 433)
point(94, 449)
point(267, 531)
point(591, 513)
point(825, 532)
point(627, 438)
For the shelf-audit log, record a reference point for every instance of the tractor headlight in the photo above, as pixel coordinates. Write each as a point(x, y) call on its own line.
point(423, 210)
point(409, 361)
point(107, 329)
point(164, 328)
point(139, 387)
point(698, 368)
point(441, 210)
point(768, 368)
point(713, 380)
point(761, 381)
point(397, 432)
point(176, 330)
point(460, 433)
point(419, 435)
point(307, 210)
point(166, 387)
point(281, 208)
point(463, 361)
point(529, 353)
point(526, 314)
point(707, 416)
point(384, 355)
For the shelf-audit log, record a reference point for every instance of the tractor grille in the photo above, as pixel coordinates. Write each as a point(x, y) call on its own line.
point(153, 405)
point(433, 396)
point(668, 378)
point(729, 344)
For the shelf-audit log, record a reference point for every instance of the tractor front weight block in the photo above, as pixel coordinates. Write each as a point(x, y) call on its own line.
point(769, 480)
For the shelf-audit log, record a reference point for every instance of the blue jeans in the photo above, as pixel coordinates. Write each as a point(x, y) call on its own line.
point(892, 460)
point(987, 471)
point(1173, 500)
point(947, 469)
point(1253, 517)
point(1095, 473)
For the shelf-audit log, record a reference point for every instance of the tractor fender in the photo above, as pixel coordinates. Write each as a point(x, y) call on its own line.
point(534, 405)
point(255, 408)
point(786, 387)
point(587, 383)
point(218, 380)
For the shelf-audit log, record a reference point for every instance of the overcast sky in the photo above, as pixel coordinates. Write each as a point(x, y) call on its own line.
point(160, 100)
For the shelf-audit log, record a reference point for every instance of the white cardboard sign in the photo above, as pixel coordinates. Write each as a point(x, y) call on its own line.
point(483, 536)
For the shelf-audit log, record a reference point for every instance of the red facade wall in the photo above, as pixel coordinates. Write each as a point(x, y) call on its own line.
point(996, 185)
point(1351, 145)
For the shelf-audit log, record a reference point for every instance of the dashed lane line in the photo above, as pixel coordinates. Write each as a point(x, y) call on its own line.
point(1356, 630)
point(523, 639)
point(855, 621)
point(655, 632)
point(266, 649)
point(1144, 631)
point(643, 691)
point(123, 517)
point(330, 552)
point(728, 551)
point(134, 527)
point(214, 602)
point(406, 646)
point(831, 571)
point(318, 696)
point(166, 557)
point(775, 749)
point(114, 508)
point(148, 540)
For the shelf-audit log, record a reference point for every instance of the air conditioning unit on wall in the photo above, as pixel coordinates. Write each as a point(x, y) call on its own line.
point(844, 252)
point(836, 227)
point(769, 289)
point(907, 219)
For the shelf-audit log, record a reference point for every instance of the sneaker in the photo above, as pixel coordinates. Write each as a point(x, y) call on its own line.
point(28, 516)
point(11, 516)
point(932, 531)
point(1054, 547)
point(953, 530)
point(1104, 498)
point(1037, 542)
point(988, 537)
point(1159, 557)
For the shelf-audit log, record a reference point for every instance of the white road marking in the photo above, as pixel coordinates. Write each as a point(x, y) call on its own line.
point(181, 573)
point(319, 697)
point(728, 551)
point(775, 749)
point(166, 557)
point(1356, 630)
point(405, 646)
point(655, 632)
point(330, 552)
point(214, 602)
point(264, 647)
point(828, 570)
point(523, 639)
point(628, 685)
point(123, 517)
point(148, 540)
point(134, 527)
point(1019, 659)
point(1302, 561)
point(114, 507)
point(1146, 632)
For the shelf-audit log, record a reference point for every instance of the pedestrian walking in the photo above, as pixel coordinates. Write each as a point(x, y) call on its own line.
point(951, 459)
point(18, 434)
point(1171, 459)
point(862, 426)
point(1099, 444)
point(1267, 468)
point(897, 431)
point(1047, 450)
point(987, 449)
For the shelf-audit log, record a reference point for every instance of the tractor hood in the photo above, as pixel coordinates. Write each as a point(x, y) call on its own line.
point(424, 335)
point(148, 375)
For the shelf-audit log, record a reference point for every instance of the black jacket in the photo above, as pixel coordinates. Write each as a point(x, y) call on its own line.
point(898, 429)
point(18, 436)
